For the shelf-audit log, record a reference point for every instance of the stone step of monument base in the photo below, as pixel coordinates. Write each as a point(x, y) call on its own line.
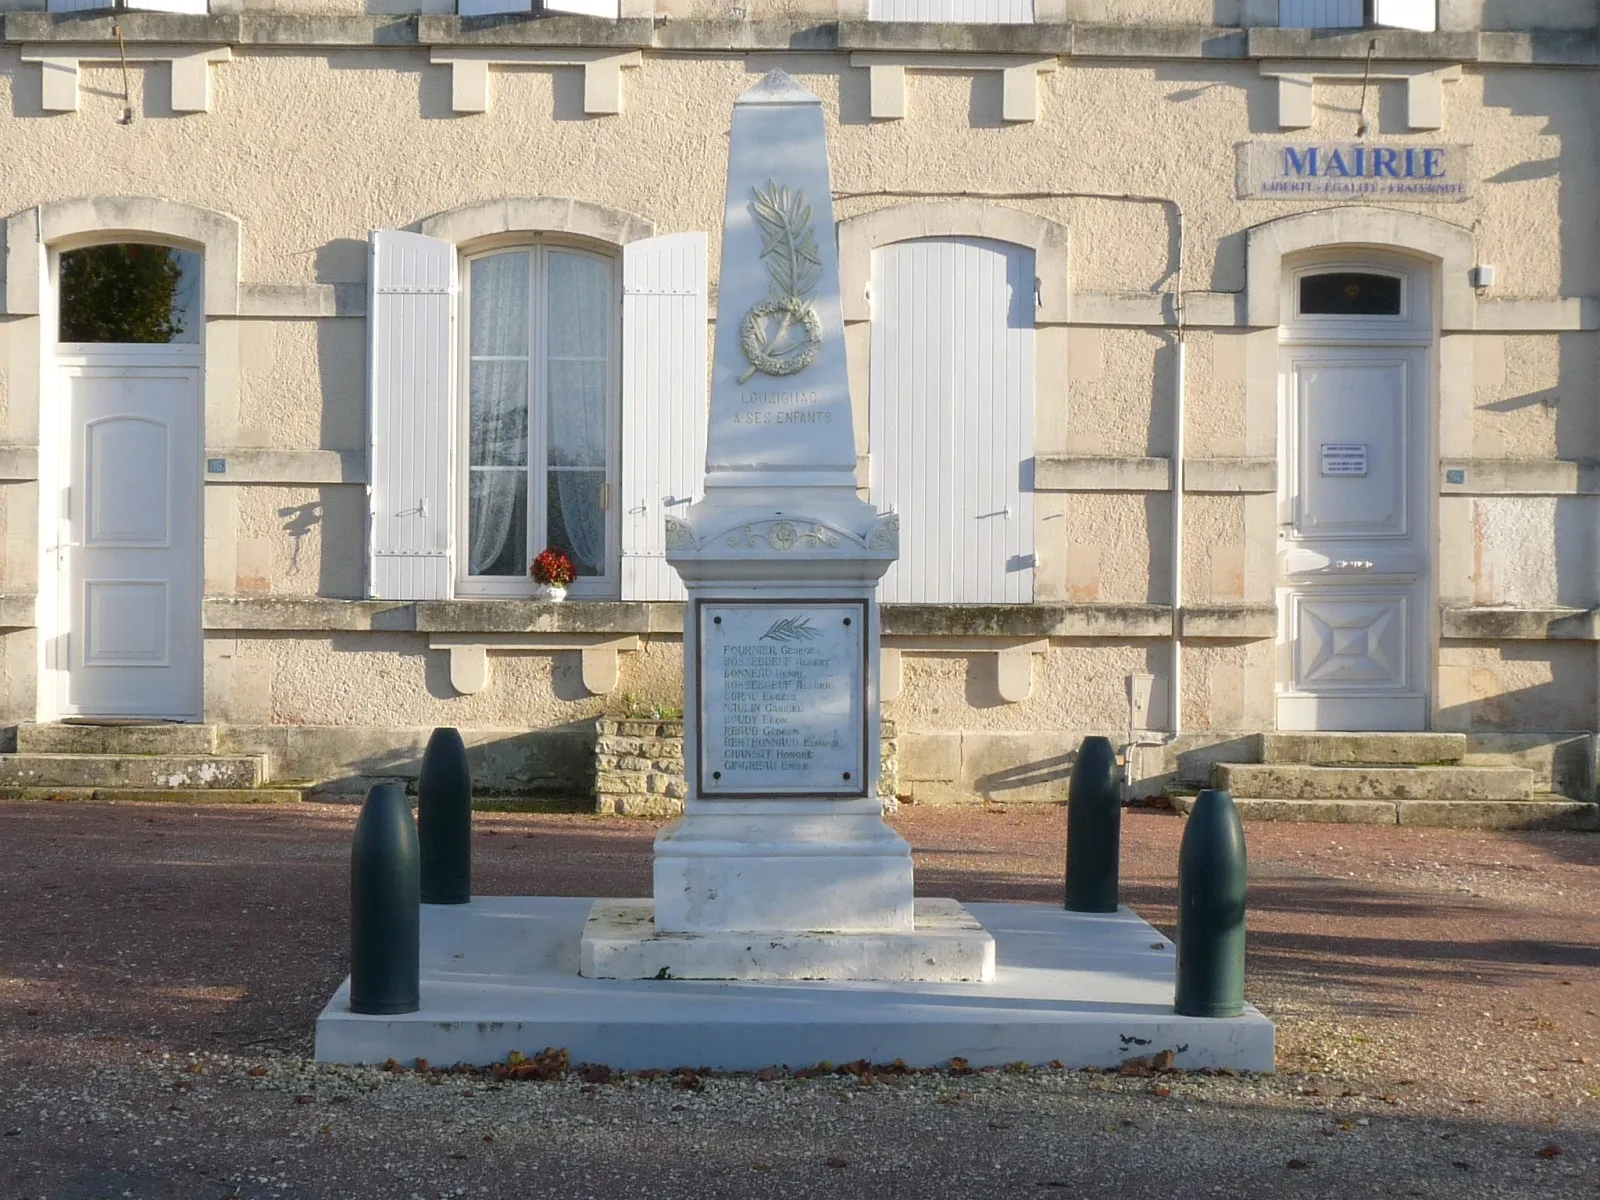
point(1540, 812)
point(162, 771)
point(130, 795)
point(1282, 781)
point(1362, 749)
point(115, 737)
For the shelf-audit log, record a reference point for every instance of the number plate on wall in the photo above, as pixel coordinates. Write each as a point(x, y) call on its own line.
point(782, 698)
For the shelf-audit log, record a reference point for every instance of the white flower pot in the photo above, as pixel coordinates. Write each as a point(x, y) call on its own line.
point(550, 592)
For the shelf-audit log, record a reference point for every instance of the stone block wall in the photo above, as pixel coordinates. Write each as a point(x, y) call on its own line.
point(638, 767)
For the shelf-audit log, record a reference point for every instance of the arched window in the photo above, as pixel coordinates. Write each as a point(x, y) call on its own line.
point(130, 293)
point(1351, 294)
point(540, 364)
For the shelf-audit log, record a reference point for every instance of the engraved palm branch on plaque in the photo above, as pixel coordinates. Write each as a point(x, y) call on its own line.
point(791, 629)
point(782, 334)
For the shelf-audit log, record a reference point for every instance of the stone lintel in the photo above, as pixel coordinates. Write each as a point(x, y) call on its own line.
point(1108, 473)
point(602, 73)
point(190, 76)
point(1521, 624)
point(1520, 477)
point(1229, 622)
point(469, 658)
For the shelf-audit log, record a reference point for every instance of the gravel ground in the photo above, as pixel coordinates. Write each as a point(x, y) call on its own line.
point(1436, 994)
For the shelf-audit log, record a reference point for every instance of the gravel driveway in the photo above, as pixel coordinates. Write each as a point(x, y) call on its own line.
point(160, 969)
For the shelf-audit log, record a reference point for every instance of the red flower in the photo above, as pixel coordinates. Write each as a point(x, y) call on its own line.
point(553, 569)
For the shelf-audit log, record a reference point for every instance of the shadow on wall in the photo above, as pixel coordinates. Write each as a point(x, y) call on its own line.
point(1563, 701)
point(554, 764)
point(1051, 773)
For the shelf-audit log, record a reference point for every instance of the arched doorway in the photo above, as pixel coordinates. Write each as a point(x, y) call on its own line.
point(1355, 522)
point(121, 446)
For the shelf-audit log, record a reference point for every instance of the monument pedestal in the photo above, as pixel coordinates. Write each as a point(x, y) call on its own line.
point(719, 873)
point(945, 944)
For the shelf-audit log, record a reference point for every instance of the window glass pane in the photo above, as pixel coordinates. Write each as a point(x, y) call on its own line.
point(580, 305)
point(577, 520)
point(497, 522)
point(131, 293)
point(577, 414)
point(1350, 295)
point(499, 315)
point(499, 413)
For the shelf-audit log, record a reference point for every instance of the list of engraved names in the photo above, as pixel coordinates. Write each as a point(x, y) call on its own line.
point(782, 696)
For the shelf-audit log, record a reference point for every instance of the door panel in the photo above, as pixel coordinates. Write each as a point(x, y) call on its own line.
point(952, 418)
point(1353, 561)
point(129, 554)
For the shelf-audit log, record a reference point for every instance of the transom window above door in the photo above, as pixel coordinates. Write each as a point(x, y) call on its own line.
point(539, 421)
point(129, 293)
point(1351, 294)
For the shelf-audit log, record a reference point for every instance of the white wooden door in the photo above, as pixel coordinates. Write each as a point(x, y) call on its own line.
point(952, 419)
point(1353, 562)
point(129, 545)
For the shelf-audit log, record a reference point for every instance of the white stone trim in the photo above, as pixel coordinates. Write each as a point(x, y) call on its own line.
point(469, 73)
point(469, 659)
point(1297, 88)
point(89, 219)
point(1012, 662)
point(1019, 75)
point(537, 214)
point(1450, 249)
point(859, 236)
point(190, 66)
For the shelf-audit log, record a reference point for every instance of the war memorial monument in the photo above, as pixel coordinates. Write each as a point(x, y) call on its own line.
point(783, 927)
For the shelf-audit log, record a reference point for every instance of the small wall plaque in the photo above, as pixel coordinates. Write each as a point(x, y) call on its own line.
point(216, 466)
point(1344, 458)
point(1455, 475)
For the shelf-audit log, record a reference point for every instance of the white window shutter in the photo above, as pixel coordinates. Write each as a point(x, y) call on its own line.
point(663, 402)
point(1407, 14)
point(1321, 14)
point(411, 282)
point(485, 8)
point(585, 8)
point(172, 6)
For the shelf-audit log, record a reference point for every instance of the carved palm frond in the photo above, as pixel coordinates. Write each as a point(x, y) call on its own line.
point(791, 629)
point(788, 242)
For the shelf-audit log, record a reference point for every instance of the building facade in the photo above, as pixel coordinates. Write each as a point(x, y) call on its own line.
point(1231, 366)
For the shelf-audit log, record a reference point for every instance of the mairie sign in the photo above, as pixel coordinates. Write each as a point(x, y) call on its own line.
point(1418, 173)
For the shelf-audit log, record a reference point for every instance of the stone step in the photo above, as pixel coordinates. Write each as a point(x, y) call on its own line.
point(132, 737)
point(1363, 749)
point(1542, 812)
point(126, 795)
point(1280, 782)
point(131, 771)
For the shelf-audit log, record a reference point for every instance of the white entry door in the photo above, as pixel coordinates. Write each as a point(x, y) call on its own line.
point(952, 420)
point(1353, 563)
point(128, 553)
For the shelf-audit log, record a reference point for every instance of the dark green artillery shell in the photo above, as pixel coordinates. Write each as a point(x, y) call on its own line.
point(1094, 828)
point(385, 911)
point(444, 820)
point(1212, 873)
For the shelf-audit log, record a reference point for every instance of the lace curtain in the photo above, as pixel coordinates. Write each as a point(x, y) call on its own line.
point(575, 372)
point(497, 497)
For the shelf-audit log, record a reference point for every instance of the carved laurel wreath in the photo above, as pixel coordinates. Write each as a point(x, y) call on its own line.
point(789, 248)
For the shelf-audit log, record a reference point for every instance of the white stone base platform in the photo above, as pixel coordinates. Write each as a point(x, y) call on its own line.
point(945, 945)
point(501, 974)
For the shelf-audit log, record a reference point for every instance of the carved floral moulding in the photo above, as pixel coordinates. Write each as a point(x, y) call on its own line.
point(786, 535)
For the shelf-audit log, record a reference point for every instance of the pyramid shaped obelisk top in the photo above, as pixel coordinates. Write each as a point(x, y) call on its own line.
point(780, 391)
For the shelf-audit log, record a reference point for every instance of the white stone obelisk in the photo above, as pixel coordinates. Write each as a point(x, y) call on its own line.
point(782, 866)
